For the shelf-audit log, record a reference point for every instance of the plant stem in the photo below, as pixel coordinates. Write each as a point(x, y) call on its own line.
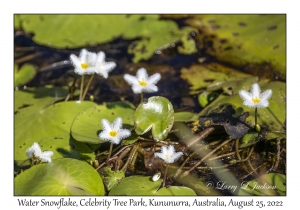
point(87, 87)
point(142, 97)
point(204, 158)
point(165, 176)
point(255, 116)
point(109, 153)
point(247, 158)
point(81, 87)
point(237, 149)
point(182, 165)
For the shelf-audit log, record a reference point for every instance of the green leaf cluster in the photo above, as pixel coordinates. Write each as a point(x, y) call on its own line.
point(82, 30)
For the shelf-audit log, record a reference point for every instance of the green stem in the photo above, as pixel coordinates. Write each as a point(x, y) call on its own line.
point(255, 116)
point(142, 97)
point(109, 153)
point(87, 87)
point(247, 158)
point(165, 176)
point(237, 149)
point(81, 87)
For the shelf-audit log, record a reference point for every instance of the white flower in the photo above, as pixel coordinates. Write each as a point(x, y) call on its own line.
point(141, 83)
point(85, 63)
point(113, 132)
point(168, 154)
point(35, 151)
point(103, 67)
point(255, 99)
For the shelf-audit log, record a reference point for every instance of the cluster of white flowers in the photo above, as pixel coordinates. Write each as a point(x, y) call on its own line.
point(90, 63)
point(35, 152)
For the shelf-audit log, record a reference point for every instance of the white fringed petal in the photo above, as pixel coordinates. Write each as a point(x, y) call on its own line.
point(102, 67)
point(255, 90)
point(117, 124)
point(46, 156)
point(35, 150)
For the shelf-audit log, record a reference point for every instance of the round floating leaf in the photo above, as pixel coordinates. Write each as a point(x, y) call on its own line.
point(72, 31)
point(188, 46)
point(87, 125)
point(157, 114)
point(143, 185)
point(200, 76)
point(245, 39)
point(272, 118)
point(23, 75)
point(268, 184)
point(50, 127)
point(37, 98)
point(60, 177)
point(232, 87)
point(274, 135)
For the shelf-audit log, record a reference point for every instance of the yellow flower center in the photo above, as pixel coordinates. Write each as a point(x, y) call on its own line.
point(168, 156)
point(142, 83)
point(84, 66)
point(113, 133)
point(255, 100)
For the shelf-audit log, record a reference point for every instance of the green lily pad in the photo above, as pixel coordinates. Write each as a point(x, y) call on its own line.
point(73, 31)
point(37, 98)
point(87, 124)
point(112, 178)
point(23, 75)
point(60, 177)
point(233, 86)
point(188, 47)
point(48, 126)
point(272, 118)
point(274, 135)
point(200, 76)
point(269, 184)
point(249, 139)
point(157, 114)
point(245, 39)
point(143, 185)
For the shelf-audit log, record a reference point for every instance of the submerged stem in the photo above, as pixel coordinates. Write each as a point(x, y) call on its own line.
point(130, 157)
point(237, 149)
point(204, 158)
